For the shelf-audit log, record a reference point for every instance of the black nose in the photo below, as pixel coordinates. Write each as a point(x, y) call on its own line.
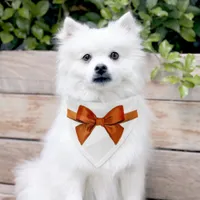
point(101, 69)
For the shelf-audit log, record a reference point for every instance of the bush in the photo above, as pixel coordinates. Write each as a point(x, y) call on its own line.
point(168, 25)
point(30, 24)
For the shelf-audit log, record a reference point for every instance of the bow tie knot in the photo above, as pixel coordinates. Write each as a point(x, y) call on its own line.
point(100, 121)
point(111, 122)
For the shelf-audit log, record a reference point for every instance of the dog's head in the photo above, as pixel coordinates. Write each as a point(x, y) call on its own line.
point(94, 62)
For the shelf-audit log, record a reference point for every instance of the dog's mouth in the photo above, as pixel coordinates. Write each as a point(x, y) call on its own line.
point(102, 79)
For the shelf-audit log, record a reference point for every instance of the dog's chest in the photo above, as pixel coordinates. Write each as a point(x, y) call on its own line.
point(98, 148)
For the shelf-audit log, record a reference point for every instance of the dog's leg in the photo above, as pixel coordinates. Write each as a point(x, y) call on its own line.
point(75, 186)
point(132, 182)
point(105, 187)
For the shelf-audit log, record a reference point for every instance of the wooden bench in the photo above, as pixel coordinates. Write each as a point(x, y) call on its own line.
point(28, 107)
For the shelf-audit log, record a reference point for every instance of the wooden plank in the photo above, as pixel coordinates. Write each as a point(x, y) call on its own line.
point(6, 189)
point(27, 71)
point(6, 197)
point(176, 126)
point(34, 72)
point(6, 192)
point(26, 116)
point(172, 175)
point(14, 152)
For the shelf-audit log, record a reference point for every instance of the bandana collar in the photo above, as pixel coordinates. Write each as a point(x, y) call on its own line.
point(92, 130)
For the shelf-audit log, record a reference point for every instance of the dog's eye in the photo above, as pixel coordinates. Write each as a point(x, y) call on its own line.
point(86, 57)
point(114, 55)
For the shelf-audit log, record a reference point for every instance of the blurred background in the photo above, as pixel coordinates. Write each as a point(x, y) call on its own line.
point(31, 24)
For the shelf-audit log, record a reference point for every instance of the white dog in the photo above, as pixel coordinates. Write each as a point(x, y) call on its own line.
point(98, 68)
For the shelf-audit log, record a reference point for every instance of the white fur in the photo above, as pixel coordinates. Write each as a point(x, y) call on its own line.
point(61, 172)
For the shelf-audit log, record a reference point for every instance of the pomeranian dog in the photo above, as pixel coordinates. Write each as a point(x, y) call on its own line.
point(100, 71)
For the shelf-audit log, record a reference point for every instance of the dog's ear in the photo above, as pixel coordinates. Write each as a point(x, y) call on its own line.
point(128, 22)
point(70, 27)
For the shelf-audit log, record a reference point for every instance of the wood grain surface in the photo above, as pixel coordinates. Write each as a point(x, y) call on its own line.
point(30, 116)
point(6, 192)
point(34, 72)
point(171, 175)
point(174, 175)
point(6, 189)
point(13, 152)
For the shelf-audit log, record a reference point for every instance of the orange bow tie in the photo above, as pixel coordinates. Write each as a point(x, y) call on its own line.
point(110, 122)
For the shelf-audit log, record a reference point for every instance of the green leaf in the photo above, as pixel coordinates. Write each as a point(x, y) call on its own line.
point(20, 34)
point(182, 5)
point(188, 84)
point(7, 27)
point(169, 67)
point(16, 4)
point(30, 6)
point(54, 28)
point(185, 22)
point(183, 90)
point(102, 23)
point(162, 31)
point(1, 10)
point(23, 24)
point(46, 39)
point(105, 13)
point(195, 80)
point(178, 65)
point(155, 37)
point(173, 56)
point(173, 24)
point(41, 8)
point(24, 12)
point(37, 31)
point(58, 1)
point(193, 9)
point(92, 16)
point(151, 3)
point(30, 43)
point(188, 34)
point(148, 46)
point(6, 37)
point(171, 2)
point(8, 13)
point(175, 14)
point(145, 33)
point(189, 62)
point(189, 16)
point(124, 2)
point(165, 48)
point(154, 72)
point(144, 16)
point(136, 3)
point(42, 25)
point(171, 79)
point(159, 12)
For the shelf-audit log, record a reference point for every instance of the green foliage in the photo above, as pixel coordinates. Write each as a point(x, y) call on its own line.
point(181, 68)
point(170, 27)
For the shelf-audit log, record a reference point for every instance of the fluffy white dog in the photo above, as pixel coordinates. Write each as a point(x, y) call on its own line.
point(101, 67)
